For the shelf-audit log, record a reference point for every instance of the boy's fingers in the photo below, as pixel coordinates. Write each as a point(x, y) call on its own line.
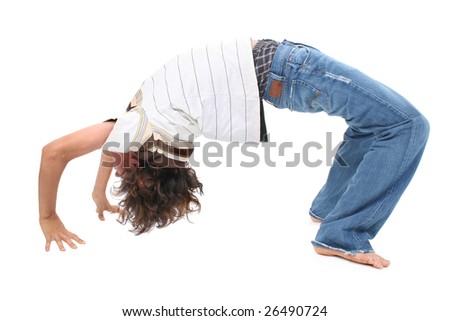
point(101, 217)
point(70, 243)
point(114, 209)
point(60, 245)
point(76, 238)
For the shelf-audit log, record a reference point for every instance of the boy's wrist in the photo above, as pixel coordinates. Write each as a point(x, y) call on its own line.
point(98, 192)
point(47, 214)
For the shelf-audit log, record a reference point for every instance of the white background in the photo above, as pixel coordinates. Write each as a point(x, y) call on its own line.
point(66, 65)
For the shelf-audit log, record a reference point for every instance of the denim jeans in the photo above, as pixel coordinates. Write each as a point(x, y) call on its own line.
point(382, 146)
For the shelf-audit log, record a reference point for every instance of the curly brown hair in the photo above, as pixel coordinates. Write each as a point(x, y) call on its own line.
point(157, 196)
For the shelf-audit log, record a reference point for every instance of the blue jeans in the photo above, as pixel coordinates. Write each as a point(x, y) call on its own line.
point(381, 150)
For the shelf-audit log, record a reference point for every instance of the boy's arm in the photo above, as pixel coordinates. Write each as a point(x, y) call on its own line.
point(55, 156)
point(99, 192)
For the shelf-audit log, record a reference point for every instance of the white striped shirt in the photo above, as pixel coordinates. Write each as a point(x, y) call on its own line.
point(210, 91)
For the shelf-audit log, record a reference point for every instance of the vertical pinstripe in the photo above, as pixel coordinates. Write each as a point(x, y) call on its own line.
point(229, 91)
point(243, 87)
point(170, 101)
point(154, 101)
point(196, 81)
point(182, 85)
point(214, 92)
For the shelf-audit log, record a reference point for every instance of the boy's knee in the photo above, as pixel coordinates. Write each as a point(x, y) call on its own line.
point(423, 128)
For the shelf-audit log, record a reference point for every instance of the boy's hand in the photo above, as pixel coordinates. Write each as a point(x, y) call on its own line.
point(54, 230)
point(103, 205)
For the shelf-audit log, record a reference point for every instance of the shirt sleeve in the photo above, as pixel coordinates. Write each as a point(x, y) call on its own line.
point(129, 133)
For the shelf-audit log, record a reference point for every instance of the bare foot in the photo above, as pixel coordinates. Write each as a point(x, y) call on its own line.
point(364, 258)
point(315, 220)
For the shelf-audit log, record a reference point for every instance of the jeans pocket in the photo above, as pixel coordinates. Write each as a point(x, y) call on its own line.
point(306, 98)
point(300, 54)
point(276, 89)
